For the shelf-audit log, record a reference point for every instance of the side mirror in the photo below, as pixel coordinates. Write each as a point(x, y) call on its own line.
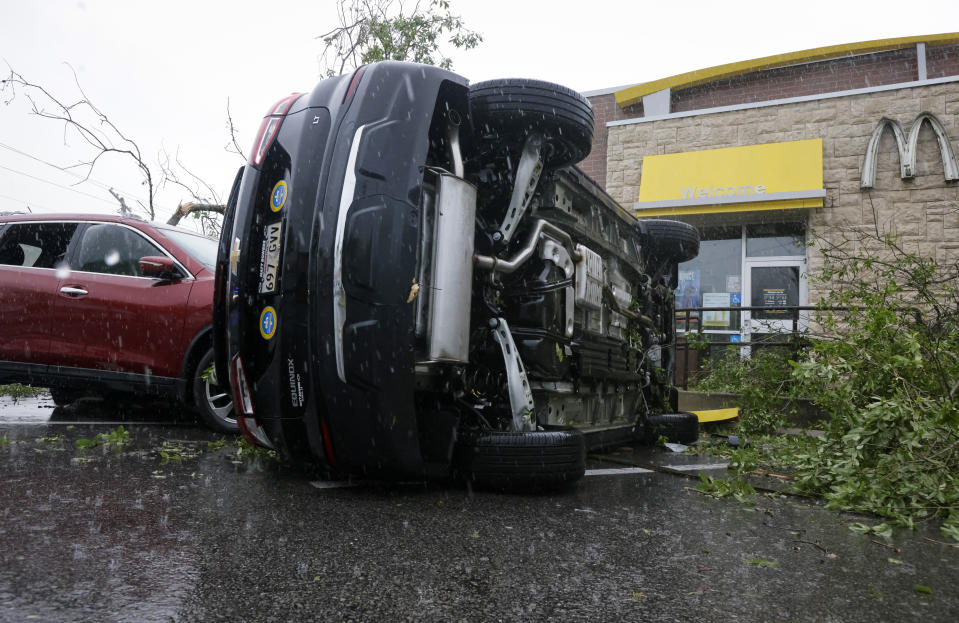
point(158, 266)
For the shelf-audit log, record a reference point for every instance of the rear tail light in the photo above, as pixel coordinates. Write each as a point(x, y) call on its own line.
point(242, 399)
point(354, 82)
point(253, 432)
point(268, 128)
point(327, 443)
point(243, 405)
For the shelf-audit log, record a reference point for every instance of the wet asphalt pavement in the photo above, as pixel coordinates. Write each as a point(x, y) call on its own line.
point(204, 535)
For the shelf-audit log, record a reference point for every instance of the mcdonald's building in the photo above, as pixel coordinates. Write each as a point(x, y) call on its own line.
point(766, 155)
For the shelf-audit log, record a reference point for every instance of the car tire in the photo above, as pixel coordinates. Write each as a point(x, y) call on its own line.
point(675, 427)
point(669, 240)
point(63, 397)
point(211, 399)
point(521, 460)
point(512, 108)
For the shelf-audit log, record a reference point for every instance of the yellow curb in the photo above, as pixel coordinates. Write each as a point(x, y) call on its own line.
point(717, 415)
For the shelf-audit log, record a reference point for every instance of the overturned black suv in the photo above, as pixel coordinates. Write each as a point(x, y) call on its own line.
point(414, 281)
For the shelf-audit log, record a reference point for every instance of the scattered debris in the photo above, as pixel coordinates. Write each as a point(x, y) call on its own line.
point(771, 475)
point(414, 292)
point(734, 441)
point(718, 488)
point(116, 439)
point(814, 544)
point(887, 546)
point(882, 529)
point(172, 451)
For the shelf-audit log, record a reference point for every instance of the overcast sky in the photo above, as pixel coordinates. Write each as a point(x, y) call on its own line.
point(162, 71)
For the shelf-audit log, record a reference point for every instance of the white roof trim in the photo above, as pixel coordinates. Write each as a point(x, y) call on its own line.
point(607, 90)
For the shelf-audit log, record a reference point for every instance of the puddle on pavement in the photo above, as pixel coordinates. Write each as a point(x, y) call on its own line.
point(133, 410)
point(30, 410)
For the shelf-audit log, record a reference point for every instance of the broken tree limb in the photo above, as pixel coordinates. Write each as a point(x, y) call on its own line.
point(189, 207)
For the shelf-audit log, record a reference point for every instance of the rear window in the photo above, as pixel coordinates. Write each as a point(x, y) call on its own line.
point(35, 245)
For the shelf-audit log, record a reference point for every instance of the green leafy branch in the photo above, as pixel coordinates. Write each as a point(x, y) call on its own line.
point(114, 439)
point(379, 30)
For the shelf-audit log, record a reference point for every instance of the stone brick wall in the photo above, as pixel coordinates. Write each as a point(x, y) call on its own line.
point(924, 211)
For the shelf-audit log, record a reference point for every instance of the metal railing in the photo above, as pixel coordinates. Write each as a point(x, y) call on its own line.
point(686, 365)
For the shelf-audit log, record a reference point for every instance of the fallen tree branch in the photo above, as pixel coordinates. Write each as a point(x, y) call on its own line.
point(186, 208)
point(886, 545)
point(772, 475)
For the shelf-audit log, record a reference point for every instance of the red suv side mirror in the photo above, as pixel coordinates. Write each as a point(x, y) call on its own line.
point(158, 266)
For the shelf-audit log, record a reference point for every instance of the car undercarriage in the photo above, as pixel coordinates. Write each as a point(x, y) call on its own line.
point(494, 323)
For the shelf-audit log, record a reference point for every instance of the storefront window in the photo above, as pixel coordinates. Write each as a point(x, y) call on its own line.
point(776, 240)
point(713, 279)
point(772, 252)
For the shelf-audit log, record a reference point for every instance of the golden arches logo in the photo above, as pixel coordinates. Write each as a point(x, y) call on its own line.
point(907, 146)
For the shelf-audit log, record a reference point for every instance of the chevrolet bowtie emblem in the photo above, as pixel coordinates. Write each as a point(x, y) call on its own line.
point(234, 255)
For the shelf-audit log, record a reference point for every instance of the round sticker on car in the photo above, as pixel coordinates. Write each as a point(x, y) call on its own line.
point(278, 196)
point(268, 322)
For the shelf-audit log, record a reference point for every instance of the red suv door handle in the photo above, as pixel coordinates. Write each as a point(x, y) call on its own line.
point(70, 291)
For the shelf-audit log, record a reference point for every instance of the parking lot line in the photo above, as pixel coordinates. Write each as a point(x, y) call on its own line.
point(618, 471)
point(334, 484)
point(698, 467)
point(622, 471)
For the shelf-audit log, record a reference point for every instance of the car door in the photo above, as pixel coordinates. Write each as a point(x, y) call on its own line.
point(30, 254)
point(109, 315)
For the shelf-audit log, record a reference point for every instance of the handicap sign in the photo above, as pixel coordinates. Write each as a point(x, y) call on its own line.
point(278, 196)
point(268, 322)
point(735, 299)
point(735, 339)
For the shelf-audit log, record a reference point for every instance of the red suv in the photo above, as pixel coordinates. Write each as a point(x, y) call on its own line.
point(92, 303)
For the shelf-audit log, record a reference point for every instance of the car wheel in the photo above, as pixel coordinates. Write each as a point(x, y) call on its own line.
point(212, 399)
point(670, 240)
point(512, 108)
point(521, 460)
point(676, 427)
point(62, 397)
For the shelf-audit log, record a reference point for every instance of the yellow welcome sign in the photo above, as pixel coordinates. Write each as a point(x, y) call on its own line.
point(775, 176)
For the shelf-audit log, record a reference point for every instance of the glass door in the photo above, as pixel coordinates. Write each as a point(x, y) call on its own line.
point(773, 283)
